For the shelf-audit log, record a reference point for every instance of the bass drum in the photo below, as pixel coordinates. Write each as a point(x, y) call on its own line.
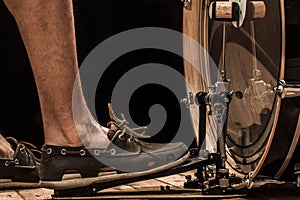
point(263, 126)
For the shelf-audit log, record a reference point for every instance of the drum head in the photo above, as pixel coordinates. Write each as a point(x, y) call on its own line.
point(250, 57)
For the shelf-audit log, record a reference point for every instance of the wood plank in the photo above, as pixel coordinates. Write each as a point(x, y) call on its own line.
point(10, 194)
point(175, 180)
point(151, 184)
point(35, 194)
point(188, 173)
point(119, 188)
point(183, 194)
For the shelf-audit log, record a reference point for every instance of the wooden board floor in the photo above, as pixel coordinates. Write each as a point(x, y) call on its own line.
point(174, 182)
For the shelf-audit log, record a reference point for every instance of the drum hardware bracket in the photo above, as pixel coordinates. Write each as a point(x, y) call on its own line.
point(211, 178)
point(218, 101)
point(187, 3)
point(290, 92)
point(188, 100)
point(297, 173)
point(286, 90)
point(280, 88)
point(249, 179)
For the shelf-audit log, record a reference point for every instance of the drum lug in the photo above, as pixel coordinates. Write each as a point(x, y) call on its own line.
point(297, 173)
point(285, 90)
point(187, 3)
point(290, 92)
point(280, 88)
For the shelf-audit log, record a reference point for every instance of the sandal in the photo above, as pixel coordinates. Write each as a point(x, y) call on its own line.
point(23, 169)
point(126, 157)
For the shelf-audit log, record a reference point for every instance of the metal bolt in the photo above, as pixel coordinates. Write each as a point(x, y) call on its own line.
point(187, 3)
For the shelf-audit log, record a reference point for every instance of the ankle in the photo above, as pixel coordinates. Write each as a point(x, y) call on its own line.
point(64, 143)
point(59, 137)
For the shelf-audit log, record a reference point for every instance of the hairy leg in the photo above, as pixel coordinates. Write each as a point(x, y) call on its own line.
point(47, 29)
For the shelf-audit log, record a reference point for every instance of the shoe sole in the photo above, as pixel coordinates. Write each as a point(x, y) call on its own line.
point(8, 183)
point(73, 181)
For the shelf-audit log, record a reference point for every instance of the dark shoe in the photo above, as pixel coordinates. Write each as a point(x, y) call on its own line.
point(126, 156)
point(23, 169)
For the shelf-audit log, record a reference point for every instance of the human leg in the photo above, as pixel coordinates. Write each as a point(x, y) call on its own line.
point(47, 29)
